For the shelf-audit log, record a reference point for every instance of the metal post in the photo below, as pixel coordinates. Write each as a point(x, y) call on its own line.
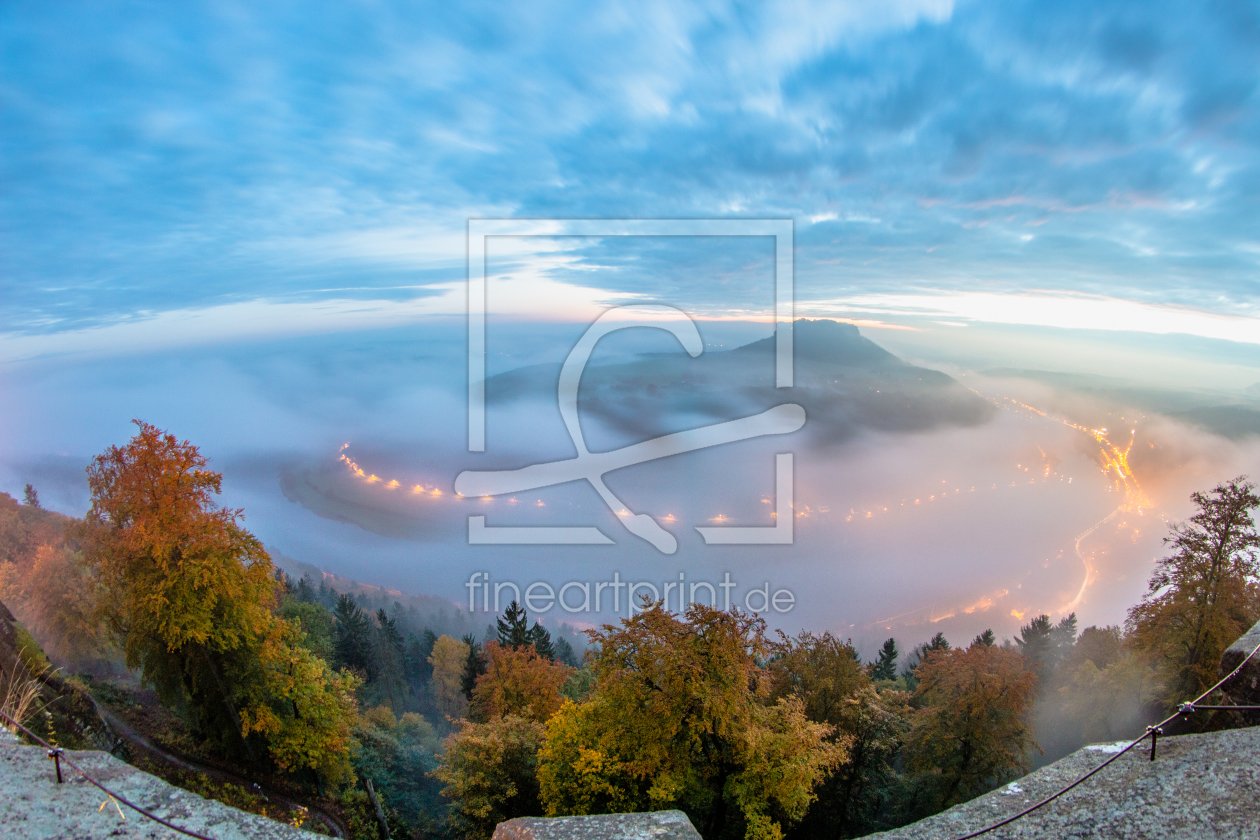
point(55, 755)
point(1155, 733)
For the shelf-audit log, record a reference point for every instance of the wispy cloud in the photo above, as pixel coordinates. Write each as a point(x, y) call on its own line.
point(198, 155)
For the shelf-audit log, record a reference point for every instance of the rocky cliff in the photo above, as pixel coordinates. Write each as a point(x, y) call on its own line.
point(34, 805)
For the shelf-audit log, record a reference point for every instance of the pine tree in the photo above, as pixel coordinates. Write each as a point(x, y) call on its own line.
point(513, 628)
point(988, 639)
point(30, 496)
point(305, 592)
point(388, 629)
point(474, 666)
point(565, 652)
point(1034, 640)
point(514, 632)
point(1063, 637)
point(541, 640)
point(387, 658)
point(885, 668)
point(416, 662)
point(350, 636)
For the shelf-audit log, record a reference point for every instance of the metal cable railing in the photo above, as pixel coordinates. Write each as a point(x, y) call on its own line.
point(1153, 732)
point(58, 755)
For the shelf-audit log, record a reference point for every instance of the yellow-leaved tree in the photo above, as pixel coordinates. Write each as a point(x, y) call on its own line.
point(447, 660)
point(190, 594)
point(681, 717)
point(1205, 594)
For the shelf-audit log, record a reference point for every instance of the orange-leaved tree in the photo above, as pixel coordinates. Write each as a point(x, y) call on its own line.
point(518, 681)
point(972, 724)
point(489, 768)
point(190, 594)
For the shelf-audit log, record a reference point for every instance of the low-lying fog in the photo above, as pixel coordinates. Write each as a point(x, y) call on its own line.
point(1000, 499)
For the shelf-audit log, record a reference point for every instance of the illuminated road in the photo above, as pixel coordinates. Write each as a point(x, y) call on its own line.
point(1113, 460)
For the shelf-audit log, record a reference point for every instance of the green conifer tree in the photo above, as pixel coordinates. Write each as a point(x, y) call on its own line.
point(885, 668)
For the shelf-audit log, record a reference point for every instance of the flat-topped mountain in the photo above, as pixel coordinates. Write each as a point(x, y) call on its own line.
point(829, 342)
point(845, 382)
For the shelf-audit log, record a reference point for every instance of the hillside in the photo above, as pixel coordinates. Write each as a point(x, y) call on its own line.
point(846, 383)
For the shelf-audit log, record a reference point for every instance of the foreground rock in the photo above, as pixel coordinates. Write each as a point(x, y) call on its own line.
point(1200, 787)
point(1244, 689)
point(654, 825)
point(35, 806)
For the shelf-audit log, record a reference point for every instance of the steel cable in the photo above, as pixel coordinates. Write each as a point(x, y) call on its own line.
point(1152, 732)
point(58, 755)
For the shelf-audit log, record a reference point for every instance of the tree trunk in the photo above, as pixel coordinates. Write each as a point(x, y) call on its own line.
point(382, 825)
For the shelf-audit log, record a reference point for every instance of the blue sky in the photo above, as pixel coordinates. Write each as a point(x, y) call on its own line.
point(245, 223)
point(172, 157)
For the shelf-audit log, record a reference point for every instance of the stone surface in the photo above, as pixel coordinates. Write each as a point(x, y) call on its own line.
point(653, 825)
point(33, 805)
point(1200, 787)
point(1244, 689)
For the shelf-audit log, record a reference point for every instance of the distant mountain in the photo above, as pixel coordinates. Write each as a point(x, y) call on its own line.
point(1231, 421)
point(829, 342)
point(845, 382)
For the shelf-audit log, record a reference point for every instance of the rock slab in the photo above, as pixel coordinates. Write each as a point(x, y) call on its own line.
point(651, 825)
point(1200, 787)
point(1244, 689)
point(33, 806)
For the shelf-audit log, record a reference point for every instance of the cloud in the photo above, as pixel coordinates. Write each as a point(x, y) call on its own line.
point(210, 154)
point(1065, 311)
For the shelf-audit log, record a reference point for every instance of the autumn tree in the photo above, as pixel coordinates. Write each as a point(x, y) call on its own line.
point(190, 593)
point(56, 599)
point(681, 717)
point(295, 701)
point(822, 671)
point(910, 673)
point(490, 773)
point(1204, 595)
point(518, 681)
point(447, 660)
point(834, 688)
point(972, 724)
